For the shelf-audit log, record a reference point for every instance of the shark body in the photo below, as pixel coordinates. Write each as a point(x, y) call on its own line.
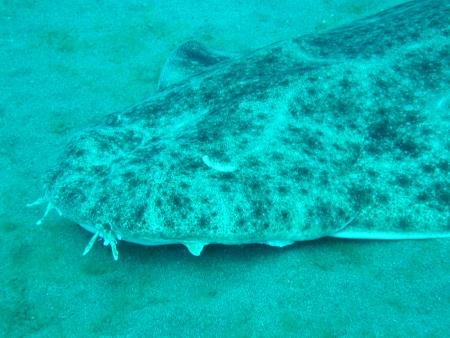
point(342, 133)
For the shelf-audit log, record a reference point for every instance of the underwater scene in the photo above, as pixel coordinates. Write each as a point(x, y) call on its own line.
point(225, 168)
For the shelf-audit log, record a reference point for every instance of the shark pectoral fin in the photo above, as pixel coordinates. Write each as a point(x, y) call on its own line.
point(194, 248)
point(190, 58)
point(279, 244)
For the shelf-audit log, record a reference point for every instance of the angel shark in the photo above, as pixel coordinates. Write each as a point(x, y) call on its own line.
point(342, 133)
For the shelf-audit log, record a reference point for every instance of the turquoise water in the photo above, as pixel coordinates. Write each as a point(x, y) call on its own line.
point(63, 67)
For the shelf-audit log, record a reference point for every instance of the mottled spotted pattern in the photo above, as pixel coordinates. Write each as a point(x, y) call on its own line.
point(320, 129)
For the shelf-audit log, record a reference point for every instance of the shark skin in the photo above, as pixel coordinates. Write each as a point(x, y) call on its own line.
point(342, 133)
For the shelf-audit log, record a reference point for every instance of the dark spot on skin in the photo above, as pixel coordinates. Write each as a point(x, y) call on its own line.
point(323, 178)
point(183, 185)
point(253, 162)
point(284, 216)
point(340, 107)
point(190, 166)
point(261, 117)
point(265, 225)
point(428, 168)
point(224, 176)
point(117, 219)
point(382, 198)
point(404, 223)
point(308, 110)
point(284, 82)
point(104, 143)
point(381, 83)
point(443, 165)
point(424, 196)
point(225, 188)
point(301, 173)
point(177, 201)
point(346, 84)
point(403, 181)
point(340, 213)
point(311, 91)
point(130, 139)
point(372, 148)
point(293, 111)
point(442, 193)
point(208, 95)
point(139, 213)
point(412, 118)
point(169, 223)
point(361, 196)
point(103, 199)
point(372, 173)
point(258, 210)
point(381, 129)
point(324, 211)
point(158, 203)
point(312, 142)
point(99, 170)
point(203, 221)
point(255, 186)
point(282, 189)
point(203, 136)
point(128, 175)
point(134, 183)
point(276, 156)
point(240, 223)
point(294, 130)
point(76, 152)
point(408, 146)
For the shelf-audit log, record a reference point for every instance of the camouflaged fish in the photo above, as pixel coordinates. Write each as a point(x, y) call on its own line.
point(342, 134)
